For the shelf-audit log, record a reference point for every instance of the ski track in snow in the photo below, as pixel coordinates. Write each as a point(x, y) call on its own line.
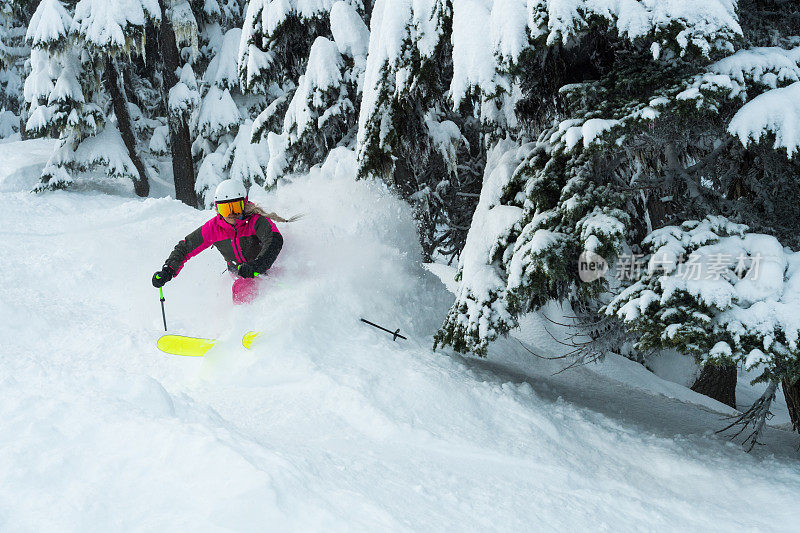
point(325, 423)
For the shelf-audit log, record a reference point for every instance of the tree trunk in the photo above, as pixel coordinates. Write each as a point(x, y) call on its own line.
point(23, 131)
point(719, 383)
point(120, 102)
point(180, 141)
point(791, 391)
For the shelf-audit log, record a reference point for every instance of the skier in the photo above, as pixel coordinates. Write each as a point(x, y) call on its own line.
point(243, 232)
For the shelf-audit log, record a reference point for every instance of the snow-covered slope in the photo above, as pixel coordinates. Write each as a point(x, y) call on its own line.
point(325, 423)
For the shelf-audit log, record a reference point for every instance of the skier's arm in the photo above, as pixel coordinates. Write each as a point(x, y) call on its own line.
point(190, 246)
point(271, 244)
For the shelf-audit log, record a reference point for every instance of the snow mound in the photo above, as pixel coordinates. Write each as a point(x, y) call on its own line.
point(21, 163)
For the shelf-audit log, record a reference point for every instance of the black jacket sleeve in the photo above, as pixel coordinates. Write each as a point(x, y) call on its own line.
point(272, 242)
point(193, 242)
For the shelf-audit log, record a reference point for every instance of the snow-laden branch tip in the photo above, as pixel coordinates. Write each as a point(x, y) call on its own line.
point(775, 112)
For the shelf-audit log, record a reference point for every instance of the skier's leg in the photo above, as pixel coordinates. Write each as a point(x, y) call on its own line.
point(244, 290)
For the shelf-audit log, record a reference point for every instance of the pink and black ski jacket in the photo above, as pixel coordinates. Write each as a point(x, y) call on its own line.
point(254, 239)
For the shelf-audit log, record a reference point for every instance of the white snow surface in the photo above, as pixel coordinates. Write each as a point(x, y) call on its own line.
point(326, 423)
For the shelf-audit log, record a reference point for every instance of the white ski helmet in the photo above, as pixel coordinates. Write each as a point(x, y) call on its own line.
point(230, 190)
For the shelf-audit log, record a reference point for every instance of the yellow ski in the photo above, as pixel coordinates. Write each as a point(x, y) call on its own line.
point(248, 338)
point(194, 346)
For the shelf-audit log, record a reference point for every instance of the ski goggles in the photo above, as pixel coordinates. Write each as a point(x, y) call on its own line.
point(236, 207)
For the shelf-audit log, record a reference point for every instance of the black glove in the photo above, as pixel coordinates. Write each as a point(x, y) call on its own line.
point(163, 276)
point(247, 270)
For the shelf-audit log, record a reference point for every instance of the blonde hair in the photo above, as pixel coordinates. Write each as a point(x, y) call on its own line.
point(251, 208)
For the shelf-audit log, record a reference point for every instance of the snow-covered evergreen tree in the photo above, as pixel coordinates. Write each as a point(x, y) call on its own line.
point(309, 59)
point(276, 40)
point(218, 117)
point(14, 55)
point(720, 293)
point(625, 106)
point(222, 123)
point(630, 117)
point(413, 133)
point(184, 96)
point(74, 86)
point(724, 295)
point(121, 56)
point(322, 112)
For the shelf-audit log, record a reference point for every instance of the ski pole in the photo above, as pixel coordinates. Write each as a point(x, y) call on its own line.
point(163, 314)
point(395, 334)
